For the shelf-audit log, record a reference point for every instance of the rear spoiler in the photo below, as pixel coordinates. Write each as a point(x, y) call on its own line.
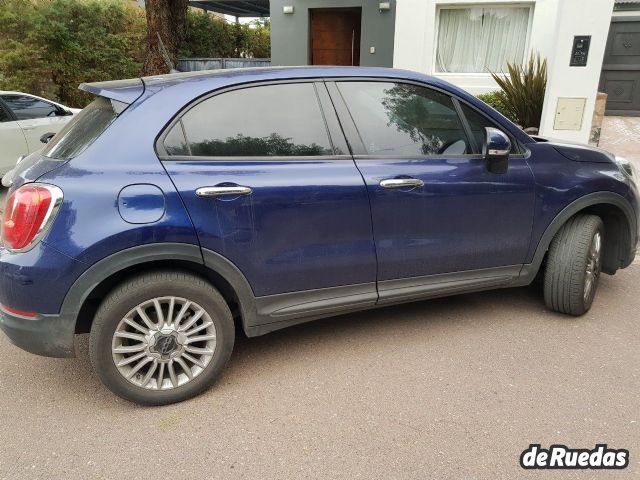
point(124, 91)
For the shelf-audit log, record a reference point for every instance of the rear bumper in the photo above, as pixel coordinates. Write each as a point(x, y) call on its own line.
point(46, 335)
point(37, 281)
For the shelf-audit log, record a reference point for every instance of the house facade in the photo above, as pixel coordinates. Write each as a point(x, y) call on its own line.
point(333, 32)
point(461, 41)
point(590, 45)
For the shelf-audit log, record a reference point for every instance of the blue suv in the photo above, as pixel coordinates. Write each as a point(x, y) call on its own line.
point(174, 208)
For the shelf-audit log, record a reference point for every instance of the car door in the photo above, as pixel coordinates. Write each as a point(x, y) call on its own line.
point(265, 174)
point(35, 116)
point(12, 140)
point(437, 210)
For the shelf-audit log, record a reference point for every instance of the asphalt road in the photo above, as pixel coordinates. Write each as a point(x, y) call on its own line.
point(447, 389)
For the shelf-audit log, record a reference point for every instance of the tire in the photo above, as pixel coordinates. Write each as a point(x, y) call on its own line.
point(175, 349)
point(574, 252)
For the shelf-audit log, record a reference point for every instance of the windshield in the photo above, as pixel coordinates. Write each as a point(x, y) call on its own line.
point(82, 130)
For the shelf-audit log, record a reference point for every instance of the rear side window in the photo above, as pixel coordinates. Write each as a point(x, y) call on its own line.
point(396, 119)
point(82, 130)
point(26, 107)
point(265, 121)
point(174, 142)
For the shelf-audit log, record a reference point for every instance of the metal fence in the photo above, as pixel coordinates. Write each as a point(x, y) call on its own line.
point(197, 64)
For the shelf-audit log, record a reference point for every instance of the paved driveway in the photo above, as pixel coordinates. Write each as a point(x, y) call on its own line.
point(621, 135)
point(447, 389)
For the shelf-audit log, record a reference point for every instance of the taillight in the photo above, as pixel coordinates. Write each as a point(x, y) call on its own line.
point(28, 213)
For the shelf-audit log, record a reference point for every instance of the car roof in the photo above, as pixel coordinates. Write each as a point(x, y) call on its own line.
point(12, 92)
point(245, 75)
point(132, 89)
point(279, 73)
point(179, 89)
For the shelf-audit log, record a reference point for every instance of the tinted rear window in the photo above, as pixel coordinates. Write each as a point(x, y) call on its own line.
point(82, 130)
point(264, 121)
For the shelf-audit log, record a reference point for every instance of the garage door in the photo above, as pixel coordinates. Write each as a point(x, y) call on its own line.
point(621, 69)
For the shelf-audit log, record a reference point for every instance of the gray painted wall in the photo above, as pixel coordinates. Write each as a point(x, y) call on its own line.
point(290, 33)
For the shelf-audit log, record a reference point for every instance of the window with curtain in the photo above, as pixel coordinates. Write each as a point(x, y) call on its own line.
point(475, 40)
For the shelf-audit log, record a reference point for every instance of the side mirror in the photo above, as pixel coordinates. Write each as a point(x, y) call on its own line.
point(498, 150)
point(46, 137)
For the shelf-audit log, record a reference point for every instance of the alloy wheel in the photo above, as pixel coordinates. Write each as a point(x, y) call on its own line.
point(164, 343)
point(593, 267)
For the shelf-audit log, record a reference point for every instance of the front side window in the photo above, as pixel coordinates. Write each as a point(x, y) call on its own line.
point(26, 107)
point(478, 125)
point(264, 121)
point(396, 119)
point(476, 40)
point(82, 130)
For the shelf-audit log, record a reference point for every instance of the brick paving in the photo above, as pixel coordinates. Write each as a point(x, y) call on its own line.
point(621, 135)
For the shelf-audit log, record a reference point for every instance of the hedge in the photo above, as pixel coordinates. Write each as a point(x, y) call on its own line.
point(49, 47)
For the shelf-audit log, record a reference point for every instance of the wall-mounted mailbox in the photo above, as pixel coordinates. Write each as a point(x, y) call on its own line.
point(580, 51)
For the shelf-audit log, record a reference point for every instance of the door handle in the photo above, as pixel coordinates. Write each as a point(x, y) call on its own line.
point(401, 183)
point(236, 190)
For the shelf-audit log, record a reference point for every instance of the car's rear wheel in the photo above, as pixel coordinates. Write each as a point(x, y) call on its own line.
point(574, 264)
point(161, 338)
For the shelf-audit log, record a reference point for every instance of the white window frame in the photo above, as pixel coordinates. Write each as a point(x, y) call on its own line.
point(465, 5)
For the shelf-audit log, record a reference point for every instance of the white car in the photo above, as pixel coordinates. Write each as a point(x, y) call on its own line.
point(24, 119)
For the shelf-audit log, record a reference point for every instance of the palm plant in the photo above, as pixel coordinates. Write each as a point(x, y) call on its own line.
point(523, 89)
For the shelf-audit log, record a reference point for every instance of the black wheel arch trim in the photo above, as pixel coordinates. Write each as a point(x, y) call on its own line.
point(117, 262)
point(529, 271)
point(108, 266)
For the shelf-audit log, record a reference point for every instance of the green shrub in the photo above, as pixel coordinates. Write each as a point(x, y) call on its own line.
point(522, 90)
point(49, 47)
point(209, 36)
point(493, 100)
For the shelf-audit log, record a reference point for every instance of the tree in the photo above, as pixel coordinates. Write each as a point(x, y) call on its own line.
point(166, 24)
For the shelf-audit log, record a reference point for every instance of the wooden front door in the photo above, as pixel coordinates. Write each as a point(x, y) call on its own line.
point(335, 36)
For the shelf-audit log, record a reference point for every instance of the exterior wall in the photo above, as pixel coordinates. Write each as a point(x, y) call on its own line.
point(576, 82)
point(553, 25)
point(417, 30)
point(290, 32)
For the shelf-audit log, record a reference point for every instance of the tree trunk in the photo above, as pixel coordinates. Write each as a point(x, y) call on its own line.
point(166, 23)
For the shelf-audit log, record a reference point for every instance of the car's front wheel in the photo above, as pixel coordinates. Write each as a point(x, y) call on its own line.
point(574, 264)
point(161, 337)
